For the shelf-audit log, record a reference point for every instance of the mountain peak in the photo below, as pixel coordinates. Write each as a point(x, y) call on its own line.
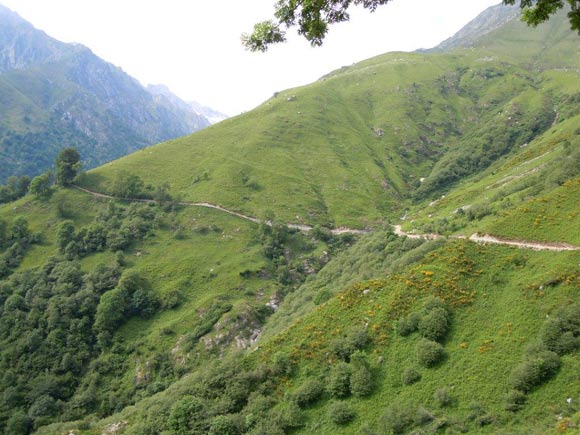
point(489, 20)
point(22, 45)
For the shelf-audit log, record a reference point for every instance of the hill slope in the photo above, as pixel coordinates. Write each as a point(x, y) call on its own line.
point(156, 314)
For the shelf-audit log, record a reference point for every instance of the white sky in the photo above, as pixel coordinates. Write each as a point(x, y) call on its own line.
point(193, 46)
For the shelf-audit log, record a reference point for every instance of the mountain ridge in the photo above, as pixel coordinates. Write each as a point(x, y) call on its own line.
point(144, 316)
point(58, 95)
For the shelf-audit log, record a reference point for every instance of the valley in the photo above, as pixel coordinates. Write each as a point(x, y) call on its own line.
point(392, 249)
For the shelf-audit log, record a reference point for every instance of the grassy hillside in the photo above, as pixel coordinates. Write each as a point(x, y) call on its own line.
point(153, 315)
point(376, 128)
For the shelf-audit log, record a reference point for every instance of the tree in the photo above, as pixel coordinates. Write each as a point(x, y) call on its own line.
point(313, 17)
point(67, 166)
point(40, 186)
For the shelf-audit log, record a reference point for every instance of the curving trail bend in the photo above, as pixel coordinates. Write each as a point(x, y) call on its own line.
point(397, 229)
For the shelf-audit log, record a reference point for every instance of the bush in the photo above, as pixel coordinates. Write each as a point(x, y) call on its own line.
point(433, 303)
point(361, 379)
point(515, 400)
point(340, 413)
point(344, 347)
point(398, 418)
point(188, 417)
point(338, 383)
point(435, 324)
point(410, 376)
point(308, 393)
point(409, 324)
point(442, 397)
point(561, 333)
point(534, 370)
point(361, 382)
point(429, 353)
point(223, 425)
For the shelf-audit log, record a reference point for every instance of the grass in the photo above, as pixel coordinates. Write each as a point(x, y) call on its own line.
point(350, 150)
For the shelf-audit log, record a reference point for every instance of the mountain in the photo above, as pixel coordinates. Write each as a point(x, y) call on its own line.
point(486, 22)
point(389, 250)
point(56, 95)
point(211, 114)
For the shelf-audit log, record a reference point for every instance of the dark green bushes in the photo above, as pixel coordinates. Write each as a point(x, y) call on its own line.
point(410, 376)
point(114, 228)
point(433, 321)
point(308, 393)
point(15, 187)
point(338, 382)
point(429, 353)
point(340, 413)
point(355, 339)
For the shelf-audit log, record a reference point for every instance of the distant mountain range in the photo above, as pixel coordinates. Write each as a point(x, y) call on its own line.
point(54, 95)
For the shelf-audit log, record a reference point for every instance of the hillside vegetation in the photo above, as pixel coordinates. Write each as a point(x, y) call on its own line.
point(138, 309)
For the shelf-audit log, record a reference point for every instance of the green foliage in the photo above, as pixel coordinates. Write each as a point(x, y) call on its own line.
point(408, 324)
point(410, 376)
point(398, 418)
point(429, 353)
point(223, 425)
point(67, 166)
point(308, 393)
point(15, 188)
point(18, 424)
point(442, 397)
point(338, 382)
point(515, 401)
point(534, 370)
point(561, 332)
point(435, 324)
point(355, 339)
point(128, 185)
point(341, 413)
point(188, 417)
point(40, 186)
point(361, 379)
point(536, 12)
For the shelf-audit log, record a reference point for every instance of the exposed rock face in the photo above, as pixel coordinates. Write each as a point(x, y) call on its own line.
point(57, 95)
point(486, 22)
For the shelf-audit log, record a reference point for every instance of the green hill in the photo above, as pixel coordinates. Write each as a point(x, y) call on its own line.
point(176, 299)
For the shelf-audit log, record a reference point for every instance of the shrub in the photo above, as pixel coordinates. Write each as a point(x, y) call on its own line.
point(561, 333)
point(410, 376)
point(340, 413)
point(288, 416)
point(534, 370)
point(433, 303)
point(281, 365)
point(338, 383)
point(222, 425)
point(435, 324)
point(429, 352)
point(409, 324)
point(398, 418)
point(361, 382)
point(442, 397)
point(515, 400)
point(308, 393)
point(361, 379)
point(187, 417)
point(356, 339)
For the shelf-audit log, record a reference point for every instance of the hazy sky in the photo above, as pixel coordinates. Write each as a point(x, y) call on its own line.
point(193, 46)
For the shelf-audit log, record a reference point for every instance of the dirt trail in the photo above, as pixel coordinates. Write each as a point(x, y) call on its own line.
point(486, 238)
point(300, 227)
point(398, 230)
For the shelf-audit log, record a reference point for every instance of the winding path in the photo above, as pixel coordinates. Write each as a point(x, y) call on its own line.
point(397, 229)
point(486, 238)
